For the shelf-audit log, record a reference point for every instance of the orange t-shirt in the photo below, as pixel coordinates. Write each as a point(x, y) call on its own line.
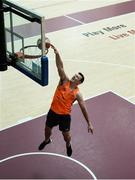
point(63, 99)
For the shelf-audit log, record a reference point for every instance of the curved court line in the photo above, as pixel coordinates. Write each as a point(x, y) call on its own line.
point(52, 154)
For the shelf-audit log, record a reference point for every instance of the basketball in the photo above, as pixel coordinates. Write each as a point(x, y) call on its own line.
point(47, 43)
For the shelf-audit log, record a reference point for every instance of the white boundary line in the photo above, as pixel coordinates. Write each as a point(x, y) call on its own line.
point(127, 99)
point(74, 19)
point(104, 92)
point(18, 123)
point(51, 154)
point(100, 62)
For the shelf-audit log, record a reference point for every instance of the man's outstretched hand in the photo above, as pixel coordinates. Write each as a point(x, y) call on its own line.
point(90, 128)
point(54, 48)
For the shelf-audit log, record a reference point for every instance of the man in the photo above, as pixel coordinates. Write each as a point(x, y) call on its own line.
point(59, 114)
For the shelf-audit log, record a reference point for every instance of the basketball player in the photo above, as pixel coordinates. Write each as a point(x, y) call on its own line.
point(59, 114)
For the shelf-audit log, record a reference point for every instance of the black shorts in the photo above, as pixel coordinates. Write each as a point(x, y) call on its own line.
point(54, 119)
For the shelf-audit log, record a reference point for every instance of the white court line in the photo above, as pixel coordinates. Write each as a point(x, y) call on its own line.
point(25, 119)
point(52, 154)
point(100, 62)
point(127, 99)
point(19, 122)
point(74, 19)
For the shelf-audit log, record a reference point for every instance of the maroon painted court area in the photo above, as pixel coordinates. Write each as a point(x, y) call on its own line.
point(109, 153)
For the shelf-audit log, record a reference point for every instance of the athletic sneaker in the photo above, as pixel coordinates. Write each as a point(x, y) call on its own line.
point(43, 144)
point(69, 150)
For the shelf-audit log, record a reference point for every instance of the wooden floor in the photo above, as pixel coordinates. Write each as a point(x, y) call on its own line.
point(108, 64)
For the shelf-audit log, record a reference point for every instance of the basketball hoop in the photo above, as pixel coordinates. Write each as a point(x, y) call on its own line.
point(33, 51)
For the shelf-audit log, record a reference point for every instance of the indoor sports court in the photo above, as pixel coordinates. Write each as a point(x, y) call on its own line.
point(95, 37)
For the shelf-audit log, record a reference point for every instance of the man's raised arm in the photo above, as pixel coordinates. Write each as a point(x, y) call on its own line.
point(59, 65)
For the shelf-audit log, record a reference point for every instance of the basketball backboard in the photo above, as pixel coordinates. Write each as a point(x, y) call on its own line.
point(23, 28)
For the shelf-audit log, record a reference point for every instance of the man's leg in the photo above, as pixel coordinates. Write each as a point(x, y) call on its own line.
point(67, 138)
point(48, 132)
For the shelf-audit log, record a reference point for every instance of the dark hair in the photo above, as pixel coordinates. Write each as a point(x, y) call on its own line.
point(82, 79)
